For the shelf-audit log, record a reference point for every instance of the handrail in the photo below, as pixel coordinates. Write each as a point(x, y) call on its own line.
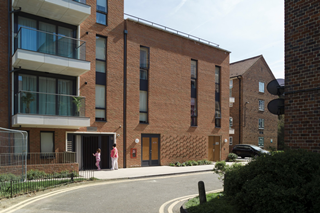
point(25, 91)
point(177, 31)
point(55, 34)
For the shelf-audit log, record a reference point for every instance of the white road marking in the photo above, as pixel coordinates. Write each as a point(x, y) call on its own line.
point(179, 199)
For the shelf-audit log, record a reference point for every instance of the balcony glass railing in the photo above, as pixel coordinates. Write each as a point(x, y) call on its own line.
point(81, 1)
point(38, 103)
point(50, 43)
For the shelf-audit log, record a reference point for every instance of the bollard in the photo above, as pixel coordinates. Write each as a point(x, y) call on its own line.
point(72, 177)
point(11, 189)
point(202, 192)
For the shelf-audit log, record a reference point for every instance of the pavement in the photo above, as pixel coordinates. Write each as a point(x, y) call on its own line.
point(151, 171)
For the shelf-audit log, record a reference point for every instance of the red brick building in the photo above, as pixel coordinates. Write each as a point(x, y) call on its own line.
point(250, 120)
point(302, 74)
point(83, 77)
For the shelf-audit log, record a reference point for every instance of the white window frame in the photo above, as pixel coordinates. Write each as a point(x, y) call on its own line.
point(261, 87)
point(230, 121)
point(261, 123)
point(230, 141)
point(261, 105)
point(259, 144)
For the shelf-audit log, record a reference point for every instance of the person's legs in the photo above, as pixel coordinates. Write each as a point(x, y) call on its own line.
point(98, 165)
point(116, 164)
point(112, 163)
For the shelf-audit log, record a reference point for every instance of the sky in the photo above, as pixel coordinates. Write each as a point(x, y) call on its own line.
point(246, 28)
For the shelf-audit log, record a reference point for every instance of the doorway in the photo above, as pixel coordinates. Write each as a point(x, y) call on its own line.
point(150, 149)
point(214, 148)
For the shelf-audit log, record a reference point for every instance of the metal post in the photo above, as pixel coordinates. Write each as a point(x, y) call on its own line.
point(11, 188)
point(202, 192)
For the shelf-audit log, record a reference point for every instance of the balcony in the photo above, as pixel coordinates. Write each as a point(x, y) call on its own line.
point(231, 101)
point(49, 52)
point(47, 110)
point(68, 11)
point(231, 131)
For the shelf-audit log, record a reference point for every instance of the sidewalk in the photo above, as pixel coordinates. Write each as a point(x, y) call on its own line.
point(142, 172)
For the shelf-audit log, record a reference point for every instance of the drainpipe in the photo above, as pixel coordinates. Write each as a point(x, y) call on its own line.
point(125, 32)
point(239, 77)
point(9, 55)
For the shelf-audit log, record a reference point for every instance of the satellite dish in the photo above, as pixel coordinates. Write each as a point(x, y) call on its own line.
point(276, 106)
point(276, 87)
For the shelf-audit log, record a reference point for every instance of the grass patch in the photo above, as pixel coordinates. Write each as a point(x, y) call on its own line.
point(216, 203)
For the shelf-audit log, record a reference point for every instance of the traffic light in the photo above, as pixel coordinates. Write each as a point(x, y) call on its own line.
point(276, 87)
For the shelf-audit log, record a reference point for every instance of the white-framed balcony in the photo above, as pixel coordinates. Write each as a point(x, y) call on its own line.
point(48, 110)
point(231, 131)
point(49, 52)
point(231, 101)
point(68, 11)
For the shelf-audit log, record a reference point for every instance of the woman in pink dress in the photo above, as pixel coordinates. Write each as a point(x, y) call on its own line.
point(114, 157)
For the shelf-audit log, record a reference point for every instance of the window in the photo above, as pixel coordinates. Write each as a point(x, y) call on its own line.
point(230, 88)
point(230, 122)
point(144, 69)
point(102, 11)
point(100, 78)
point(100, 102)
point(261, 141)
point(261, 87)
point(230, 141)
point(194, 65)
point(47, 144)
point(261, 105)
point(217, 98)
point(261, 123)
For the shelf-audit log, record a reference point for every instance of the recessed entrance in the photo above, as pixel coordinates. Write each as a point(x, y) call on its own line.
point(214, 147)
point(150, 149)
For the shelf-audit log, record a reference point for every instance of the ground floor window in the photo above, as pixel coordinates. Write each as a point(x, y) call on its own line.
point(261, 141)
point(47, 144)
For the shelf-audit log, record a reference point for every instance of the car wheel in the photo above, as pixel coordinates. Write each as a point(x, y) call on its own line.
point(242, 157)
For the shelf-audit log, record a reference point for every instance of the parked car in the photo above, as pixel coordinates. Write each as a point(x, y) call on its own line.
point(248, 150)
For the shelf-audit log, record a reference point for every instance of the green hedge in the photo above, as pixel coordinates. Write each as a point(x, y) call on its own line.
point(283, 182)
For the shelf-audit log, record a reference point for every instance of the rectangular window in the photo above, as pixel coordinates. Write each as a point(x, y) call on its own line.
point(230, 122)
point(261, 141)
point(230, 88)
point(102, 11)
point(144, 69)
point(217, 97)
point(100, 78)
point(261, 87)
point(261, 105)
point(100, 102)
point(47, 144)
point(261, 123)
point(230, 141)
point(194, 67)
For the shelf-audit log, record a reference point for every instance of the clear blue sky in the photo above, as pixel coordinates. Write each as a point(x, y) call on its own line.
point(247, 28)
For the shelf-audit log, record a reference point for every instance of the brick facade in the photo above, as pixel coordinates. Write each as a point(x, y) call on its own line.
point(169, 89)
point(302, 74)
point(247, 125)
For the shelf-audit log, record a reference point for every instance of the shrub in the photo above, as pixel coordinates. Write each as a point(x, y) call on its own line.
point(183, 164)
point(283, 182)
point(171, 164)
point(194, 163)
point(207, 162)
point(189, 163)
point(200, 162)
point(35, 174)
point(8, 177)
point(178, 164)
point(232, 157)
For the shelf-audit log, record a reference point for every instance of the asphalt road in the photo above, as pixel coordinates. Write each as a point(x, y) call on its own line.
point(157, 194)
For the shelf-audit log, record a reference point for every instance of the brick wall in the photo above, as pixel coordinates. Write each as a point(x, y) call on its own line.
point(169, 94)
point(302, 74)
point(250, 114)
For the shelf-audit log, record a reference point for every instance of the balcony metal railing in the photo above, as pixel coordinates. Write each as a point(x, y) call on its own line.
point(50, 43)
point(34, 158)
point(39, 103)
point(172, 30)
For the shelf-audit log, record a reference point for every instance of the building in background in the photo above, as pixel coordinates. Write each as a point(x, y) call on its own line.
point(77, 76)
point(302, 74)
point(250, 120)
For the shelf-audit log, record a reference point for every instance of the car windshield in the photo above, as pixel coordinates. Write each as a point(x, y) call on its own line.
point(257, 148)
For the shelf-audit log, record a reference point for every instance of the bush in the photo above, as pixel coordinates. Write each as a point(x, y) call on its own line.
point(178, 164)
point(194, 163)
point(189, 163)
point(35, 174)
point(232, 157)
point(183, 164)
point(8, 177)
point(171, 164)
point(283, 182)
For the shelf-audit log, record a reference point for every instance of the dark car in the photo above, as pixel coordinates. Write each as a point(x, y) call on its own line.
point(248, 150)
